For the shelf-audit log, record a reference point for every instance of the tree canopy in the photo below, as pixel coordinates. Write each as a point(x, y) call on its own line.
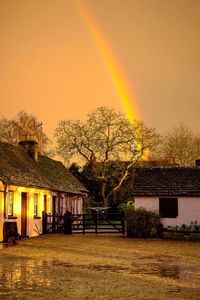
point(182, 145)
point(105, 136)
point(22, 125)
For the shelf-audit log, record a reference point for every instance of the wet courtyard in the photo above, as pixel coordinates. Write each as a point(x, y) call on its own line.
point(99, 267)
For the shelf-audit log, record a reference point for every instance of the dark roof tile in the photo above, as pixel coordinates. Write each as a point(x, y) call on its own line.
point(167, 181)
point(17, 167)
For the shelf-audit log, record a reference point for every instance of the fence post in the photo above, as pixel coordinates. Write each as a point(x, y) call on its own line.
point(123, 222)
point(95, 220)
point(44, 223)
point(68, 222)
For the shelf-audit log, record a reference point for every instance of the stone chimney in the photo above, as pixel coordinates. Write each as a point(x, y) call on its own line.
point(30, 145)
point(197, 162)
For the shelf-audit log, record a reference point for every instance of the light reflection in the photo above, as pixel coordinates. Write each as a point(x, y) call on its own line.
point(22, 276)
point(26, 274)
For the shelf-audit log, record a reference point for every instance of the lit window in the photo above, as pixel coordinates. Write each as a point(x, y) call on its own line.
point(35, 205)
point(168, 207)
point(10, 203)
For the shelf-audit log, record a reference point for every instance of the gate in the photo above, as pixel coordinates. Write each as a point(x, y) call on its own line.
point(53, 223)
point(84, 223)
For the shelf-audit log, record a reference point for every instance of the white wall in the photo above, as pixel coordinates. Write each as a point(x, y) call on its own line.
point(34, 226)
point(188, 209)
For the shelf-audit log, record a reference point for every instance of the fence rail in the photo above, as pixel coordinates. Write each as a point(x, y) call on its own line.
point(84, 223)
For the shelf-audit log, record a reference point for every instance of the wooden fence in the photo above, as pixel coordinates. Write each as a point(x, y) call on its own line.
point(84, 223)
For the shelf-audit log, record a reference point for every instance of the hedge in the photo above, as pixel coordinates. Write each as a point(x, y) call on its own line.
point(142, 223)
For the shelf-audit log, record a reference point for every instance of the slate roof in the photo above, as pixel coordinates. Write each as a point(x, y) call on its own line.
point(17, 167)
point(167, 181)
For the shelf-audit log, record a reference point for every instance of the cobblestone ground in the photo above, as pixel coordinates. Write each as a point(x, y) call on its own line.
point(99, 267)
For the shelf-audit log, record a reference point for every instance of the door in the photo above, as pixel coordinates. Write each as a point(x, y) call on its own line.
point(24, 215)
point(45, 204)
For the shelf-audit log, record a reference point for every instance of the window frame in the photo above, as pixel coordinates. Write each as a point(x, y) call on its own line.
point(10, 213)
point(168, 207)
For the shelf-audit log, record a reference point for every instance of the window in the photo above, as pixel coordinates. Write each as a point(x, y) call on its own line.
point(10, 203)
point(35, 205)
point(168, 207)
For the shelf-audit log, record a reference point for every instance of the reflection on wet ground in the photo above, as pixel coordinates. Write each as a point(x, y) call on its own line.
point(23, 275)
point(173, 271)
point(178, 272)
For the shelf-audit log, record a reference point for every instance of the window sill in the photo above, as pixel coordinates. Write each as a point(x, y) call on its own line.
point(36, 217)
point(12, 217)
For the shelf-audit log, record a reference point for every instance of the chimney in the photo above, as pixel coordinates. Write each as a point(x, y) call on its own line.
point(197, 162)
point(30, 145)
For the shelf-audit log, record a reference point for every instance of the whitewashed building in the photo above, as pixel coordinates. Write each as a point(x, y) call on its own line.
point(174, 192)
point(31, 184)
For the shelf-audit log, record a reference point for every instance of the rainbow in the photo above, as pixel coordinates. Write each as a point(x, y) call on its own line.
point(113, 67)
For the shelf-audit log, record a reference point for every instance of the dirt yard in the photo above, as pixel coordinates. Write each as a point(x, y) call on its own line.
point(99, 267)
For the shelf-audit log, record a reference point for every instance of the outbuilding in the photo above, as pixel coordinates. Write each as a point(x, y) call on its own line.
point(174, 192)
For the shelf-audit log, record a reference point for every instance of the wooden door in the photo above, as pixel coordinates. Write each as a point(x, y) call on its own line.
point(24, 215)
point(45, 204)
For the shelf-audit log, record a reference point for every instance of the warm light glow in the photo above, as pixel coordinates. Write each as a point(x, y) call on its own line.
point(17, 205)
point(34, 226)
point(114, 69)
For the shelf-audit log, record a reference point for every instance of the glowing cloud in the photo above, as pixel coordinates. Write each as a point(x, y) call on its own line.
point(111, 63)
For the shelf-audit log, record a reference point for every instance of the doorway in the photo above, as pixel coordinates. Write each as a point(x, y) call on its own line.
point(45, 204)
point(24, 214)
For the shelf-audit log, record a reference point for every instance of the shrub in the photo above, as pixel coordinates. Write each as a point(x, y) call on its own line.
point(142, 223)
point(124, 206)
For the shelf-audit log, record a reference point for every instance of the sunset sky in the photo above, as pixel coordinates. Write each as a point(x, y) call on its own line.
point(60, 59)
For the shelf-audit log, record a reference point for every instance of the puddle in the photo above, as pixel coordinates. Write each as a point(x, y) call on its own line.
point(162, 269)
point(21, 277)
point(176, 272)
point(172, 271)
point(24, 276)
point(24, 272)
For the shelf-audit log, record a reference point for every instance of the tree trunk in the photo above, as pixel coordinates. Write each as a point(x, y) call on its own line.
point(103, 190)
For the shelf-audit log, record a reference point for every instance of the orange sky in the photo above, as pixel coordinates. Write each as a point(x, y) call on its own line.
point(51, 66)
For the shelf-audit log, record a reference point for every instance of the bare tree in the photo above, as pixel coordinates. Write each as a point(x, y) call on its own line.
point(105, 136)
point(182, 145)
point(8, 131)
point(22, 125)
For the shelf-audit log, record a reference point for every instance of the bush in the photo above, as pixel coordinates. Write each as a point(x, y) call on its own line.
point(142, 223)
point(125, 206)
